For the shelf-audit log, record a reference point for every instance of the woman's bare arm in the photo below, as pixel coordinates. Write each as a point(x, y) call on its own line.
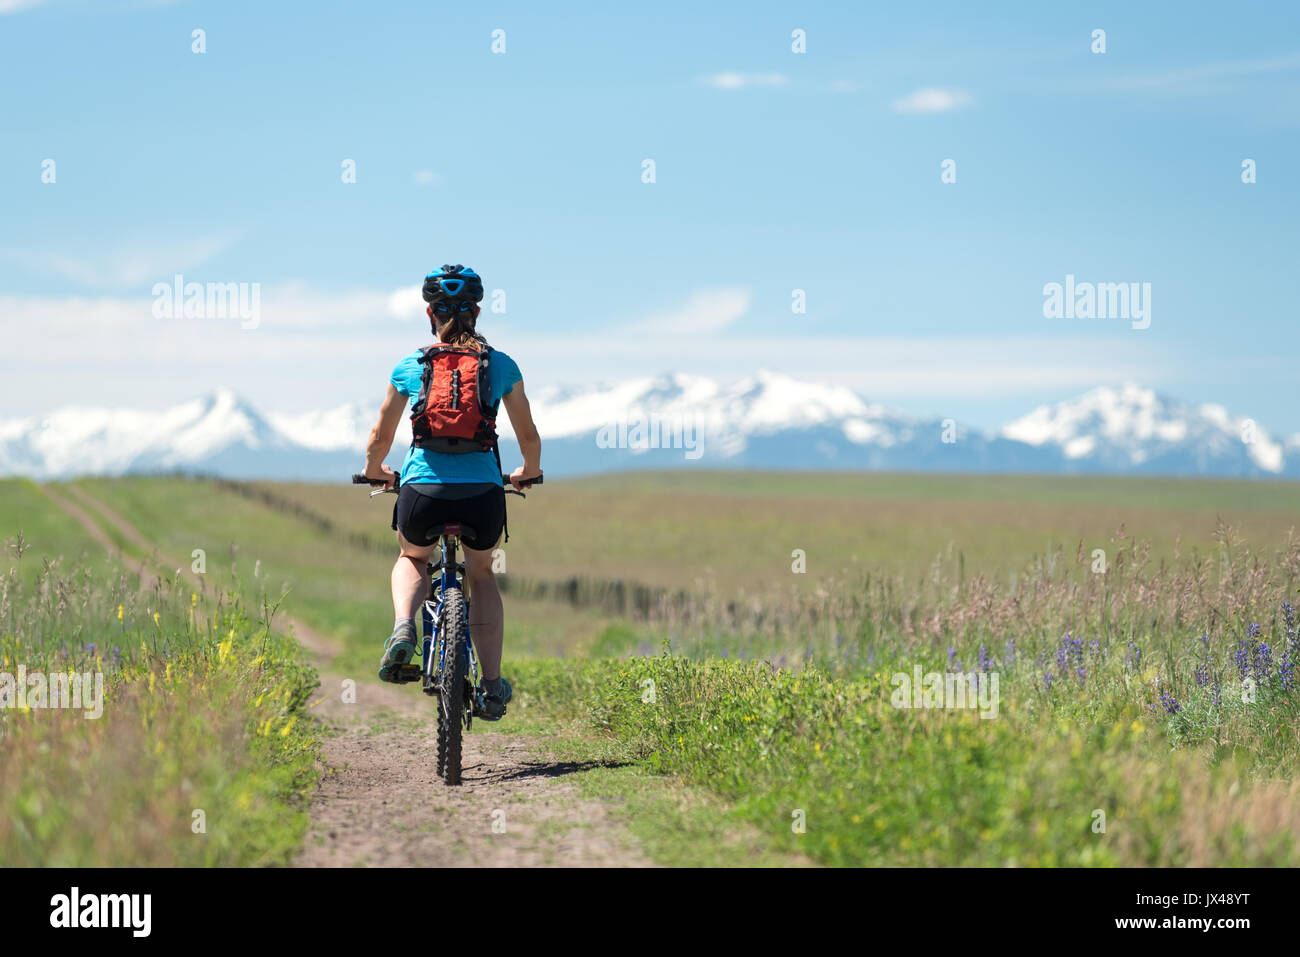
point(382, 435)
point(530, 443)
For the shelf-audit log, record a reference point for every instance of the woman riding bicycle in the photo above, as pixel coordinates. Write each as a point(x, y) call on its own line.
point(452, 472)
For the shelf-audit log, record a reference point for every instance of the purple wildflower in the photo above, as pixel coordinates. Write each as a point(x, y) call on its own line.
point(1242, 657)
point(1263, 659)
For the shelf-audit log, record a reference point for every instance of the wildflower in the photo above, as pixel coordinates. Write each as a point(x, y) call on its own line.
point(1076, 649)
point(1242, 658)
point(1202, 675)
point(1263, 659)
point(90, 648)
point(1047, 681)
point(986, 660)
point(119, 612)
point(1133, 657)
point(1009, 653)
point(1253, 631)
point(1286, 672)
point(1170, 703)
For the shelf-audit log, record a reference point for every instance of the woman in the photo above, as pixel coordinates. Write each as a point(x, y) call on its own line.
point(452, 472)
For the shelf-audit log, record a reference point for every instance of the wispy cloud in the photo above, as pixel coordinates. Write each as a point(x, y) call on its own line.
point(125, 265)
point(932, 99)
point(426, 177)
point(741, 81)
point(14, 6)
point(1202, 78)
point(706, 312)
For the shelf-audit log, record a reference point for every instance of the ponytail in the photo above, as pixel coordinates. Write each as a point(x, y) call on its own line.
point(459, 331)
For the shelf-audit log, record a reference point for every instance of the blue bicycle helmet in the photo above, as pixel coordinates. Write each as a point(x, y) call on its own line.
point(452, 290)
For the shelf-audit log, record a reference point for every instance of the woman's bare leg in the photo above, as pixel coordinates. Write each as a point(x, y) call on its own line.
point(410, 581)
point(486, 616)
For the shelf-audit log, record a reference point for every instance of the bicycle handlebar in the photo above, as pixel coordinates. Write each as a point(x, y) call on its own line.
point(359, 479)
point(523, 483)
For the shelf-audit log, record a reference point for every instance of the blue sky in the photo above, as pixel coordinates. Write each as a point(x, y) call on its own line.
point(774, 171)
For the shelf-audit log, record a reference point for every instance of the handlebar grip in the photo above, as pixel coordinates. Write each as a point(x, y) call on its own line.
point(526, 483)
point(359, 479)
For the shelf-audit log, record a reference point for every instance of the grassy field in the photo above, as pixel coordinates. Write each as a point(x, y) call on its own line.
point(735, 531)
point(197, 752)
point(1153, 693)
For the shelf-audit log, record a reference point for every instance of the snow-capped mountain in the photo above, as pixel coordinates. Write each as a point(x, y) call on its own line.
point(1135, 429)
point(766, 421)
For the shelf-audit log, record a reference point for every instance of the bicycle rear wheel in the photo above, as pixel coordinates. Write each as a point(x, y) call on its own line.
point(452, 685)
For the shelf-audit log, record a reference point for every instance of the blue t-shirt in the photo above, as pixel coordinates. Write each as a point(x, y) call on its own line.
point(444, 468)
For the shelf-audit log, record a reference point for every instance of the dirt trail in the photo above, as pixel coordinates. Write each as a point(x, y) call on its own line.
point(380, 802)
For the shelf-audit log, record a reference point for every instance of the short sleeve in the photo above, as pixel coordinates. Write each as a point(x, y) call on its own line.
point(505, 373)
point(403, 373)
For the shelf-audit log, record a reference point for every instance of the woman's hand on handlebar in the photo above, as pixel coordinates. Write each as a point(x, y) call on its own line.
point(520, 480)
point(385, 475)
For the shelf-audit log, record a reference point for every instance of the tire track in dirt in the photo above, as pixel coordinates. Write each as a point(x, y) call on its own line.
point(379, 801)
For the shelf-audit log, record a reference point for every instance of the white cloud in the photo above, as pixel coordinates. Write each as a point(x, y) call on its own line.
point(13, 6)
point(426, 177)
point(130, 264)
point(740, 81)
point(932, 99)
point(406, 303)
point(706, 311)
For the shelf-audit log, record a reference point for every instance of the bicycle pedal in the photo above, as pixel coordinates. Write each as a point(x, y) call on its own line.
point(409, 673)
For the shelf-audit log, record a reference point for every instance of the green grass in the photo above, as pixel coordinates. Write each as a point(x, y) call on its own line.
point(776, 700)
point(875, 785)
point(201, 755)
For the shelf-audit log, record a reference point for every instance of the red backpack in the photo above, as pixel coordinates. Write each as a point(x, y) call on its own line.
point(452, 413)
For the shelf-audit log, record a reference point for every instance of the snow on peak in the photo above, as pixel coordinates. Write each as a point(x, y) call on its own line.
point(1131, 424)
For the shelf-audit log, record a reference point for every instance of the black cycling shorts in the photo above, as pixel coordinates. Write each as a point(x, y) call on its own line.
point(423, 509)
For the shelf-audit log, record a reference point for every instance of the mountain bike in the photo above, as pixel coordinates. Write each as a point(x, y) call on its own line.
point(449, 668)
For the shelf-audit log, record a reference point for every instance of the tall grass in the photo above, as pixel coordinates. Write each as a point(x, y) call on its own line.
point(1147, 712)
point(202, 755)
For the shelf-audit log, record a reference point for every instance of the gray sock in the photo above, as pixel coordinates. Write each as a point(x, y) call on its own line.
point(493, 687)
point(404, 625)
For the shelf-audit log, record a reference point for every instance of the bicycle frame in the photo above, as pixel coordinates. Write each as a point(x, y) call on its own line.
point(450, 573)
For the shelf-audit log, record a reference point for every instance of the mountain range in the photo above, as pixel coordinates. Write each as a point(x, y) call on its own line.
point(767, 421)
